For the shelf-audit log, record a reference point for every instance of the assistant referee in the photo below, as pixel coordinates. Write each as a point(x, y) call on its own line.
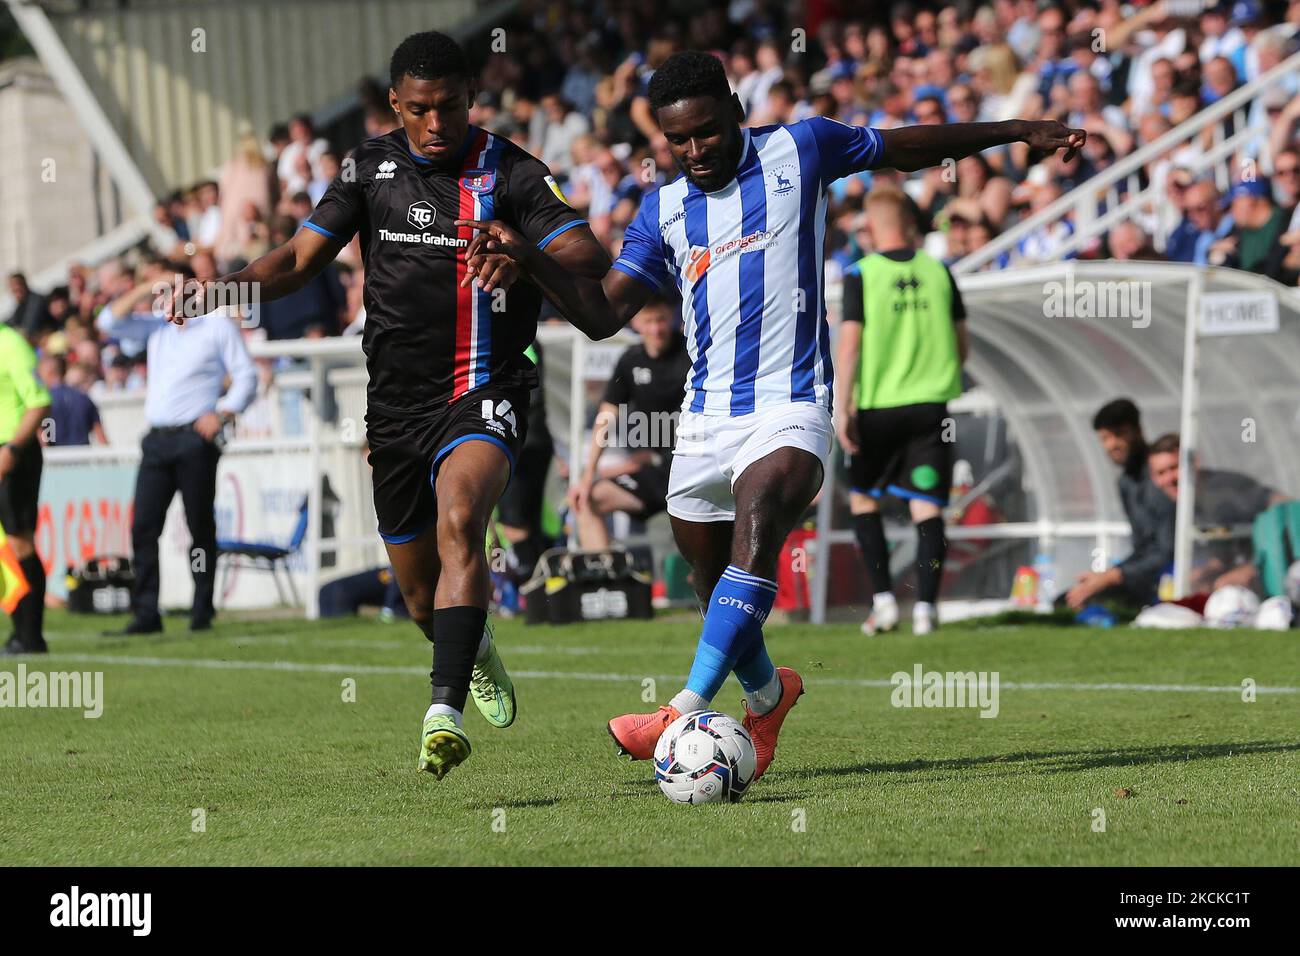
point(24, 404)
point(901, 347)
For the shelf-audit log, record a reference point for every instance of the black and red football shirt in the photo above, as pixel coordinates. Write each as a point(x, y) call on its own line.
point(428, 341)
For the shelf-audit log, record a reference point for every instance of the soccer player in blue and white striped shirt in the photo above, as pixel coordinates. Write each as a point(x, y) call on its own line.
point(741, 234)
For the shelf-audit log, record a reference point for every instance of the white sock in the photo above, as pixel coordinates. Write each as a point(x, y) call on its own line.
point(923, 607)
point(443, 709)
point(688, 701)
point(762, 701)
point(484, 646)
point(884, 599)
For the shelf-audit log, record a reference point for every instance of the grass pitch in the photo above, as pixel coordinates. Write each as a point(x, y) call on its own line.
point(239, 747)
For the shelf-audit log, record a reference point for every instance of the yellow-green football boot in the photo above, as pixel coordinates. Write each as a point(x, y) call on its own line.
point(492, 689)
point(444, 745)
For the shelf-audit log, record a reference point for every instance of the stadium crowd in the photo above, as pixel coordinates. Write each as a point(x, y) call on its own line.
point(572, 90)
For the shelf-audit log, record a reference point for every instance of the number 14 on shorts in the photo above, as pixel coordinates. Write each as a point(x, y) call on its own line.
point(502, 411)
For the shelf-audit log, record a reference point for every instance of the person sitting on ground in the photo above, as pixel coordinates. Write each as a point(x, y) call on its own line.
point(1223, 499)
point(646, 390)
point(1135, 580)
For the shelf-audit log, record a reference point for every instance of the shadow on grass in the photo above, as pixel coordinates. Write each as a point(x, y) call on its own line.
point(521, 804)
point(1064, 761)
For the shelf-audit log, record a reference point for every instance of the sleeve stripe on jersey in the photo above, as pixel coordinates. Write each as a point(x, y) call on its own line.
point(632, 269)
point(307, 223)
point(555, 232)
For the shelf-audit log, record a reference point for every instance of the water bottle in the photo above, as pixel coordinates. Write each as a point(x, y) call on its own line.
point(1046, 583)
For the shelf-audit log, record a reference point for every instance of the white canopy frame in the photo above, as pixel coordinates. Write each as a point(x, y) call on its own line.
point(1048, 375)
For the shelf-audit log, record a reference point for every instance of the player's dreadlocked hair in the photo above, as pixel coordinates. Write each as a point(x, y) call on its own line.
point(428, 56)
point(687, 74)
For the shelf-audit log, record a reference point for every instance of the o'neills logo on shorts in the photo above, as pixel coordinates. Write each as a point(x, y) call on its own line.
point(701, 258)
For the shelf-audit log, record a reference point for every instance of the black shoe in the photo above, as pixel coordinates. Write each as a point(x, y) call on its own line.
point(137, 626)
point(201, 625)
point(14, 647)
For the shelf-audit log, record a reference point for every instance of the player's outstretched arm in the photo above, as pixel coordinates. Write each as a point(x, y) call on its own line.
point(597, 307)
point(918, 147)
point(284, 269)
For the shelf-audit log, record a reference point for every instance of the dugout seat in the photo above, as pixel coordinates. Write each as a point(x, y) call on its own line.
point(264, 556)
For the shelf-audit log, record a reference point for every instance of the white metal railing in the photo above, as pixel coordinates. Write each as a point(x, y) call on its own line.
point(1080, 204)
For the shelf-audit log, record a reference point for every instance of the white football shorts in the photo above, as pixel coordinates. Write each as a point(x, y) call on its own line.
point(713, 450)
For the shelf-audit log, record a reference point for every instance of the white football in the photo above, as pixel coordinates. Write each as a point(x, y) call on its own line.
point(704, 757)
point(1275, 614)
point(1232, 606)
point(1292, 585)
point(1168, 616)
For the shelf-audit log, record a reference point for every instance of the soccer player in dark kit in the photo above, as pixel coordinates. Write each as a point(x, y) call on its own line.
point(447, 403)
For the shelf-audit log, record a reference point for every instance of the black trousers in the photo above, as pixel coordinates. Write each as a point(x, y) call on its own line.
point(175, 460)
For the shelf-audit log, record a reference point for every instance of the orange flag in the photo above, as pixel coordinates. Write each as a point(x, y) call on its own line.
point(13, 583)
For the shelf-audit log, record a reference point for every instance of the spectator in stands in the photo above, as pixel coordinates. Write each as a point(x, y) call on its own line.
point(170, 242)
point(646, 390)
point(1223, 499)
point(1128, 242)
point(320, 303)
point(246, 237)
point(1286, 184)
point(1089, 111)
point(1220, 79)
point(31, 313)
point(59, 306)
point(299, 207)
point(326, 170)
point(187, 413)
point(1135, 580)
point(245, 196)
point(1046, 241)
point(117, 377)
point(73, 418)
point(1256, 225)
point(1220, 39)
point(206, 227)
point(1204, 224)
point(303, 143)
point(563, 124)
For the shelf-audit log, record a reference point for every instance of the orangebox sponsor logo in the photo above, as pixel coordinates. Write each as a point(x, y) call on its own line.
point(701, 258)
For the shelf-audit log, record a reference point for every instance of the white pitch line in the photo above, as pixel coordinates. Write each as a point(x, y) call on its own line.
point(328, 668)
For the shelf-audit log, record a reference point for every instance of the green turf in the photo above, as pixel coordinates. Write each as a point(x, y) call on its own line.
point(289, 773)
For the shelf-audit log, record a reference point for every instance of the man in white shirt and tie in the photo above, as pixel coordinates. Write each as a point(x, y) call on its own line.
point(187, 412)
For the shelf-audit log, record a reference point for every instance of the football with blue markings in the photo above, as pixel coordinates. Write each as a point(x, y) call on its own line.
point(704, 757)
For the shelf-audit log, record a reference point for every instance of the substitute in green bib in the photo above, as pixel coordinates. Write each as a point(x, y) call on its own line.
point(24, 404)
point(902, 342)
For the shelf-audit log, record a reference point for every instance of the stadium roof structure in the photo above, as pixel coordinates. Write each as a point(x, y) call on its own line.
point(1050, 368)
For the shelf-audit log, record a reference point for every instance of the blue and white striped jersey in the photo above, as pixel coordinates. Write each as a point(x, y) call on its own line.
point(747, 260)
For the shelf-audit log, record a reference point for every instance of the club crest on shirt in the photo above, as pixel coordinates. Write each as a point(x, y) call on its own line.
point(782, 178)
point(479, 180)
